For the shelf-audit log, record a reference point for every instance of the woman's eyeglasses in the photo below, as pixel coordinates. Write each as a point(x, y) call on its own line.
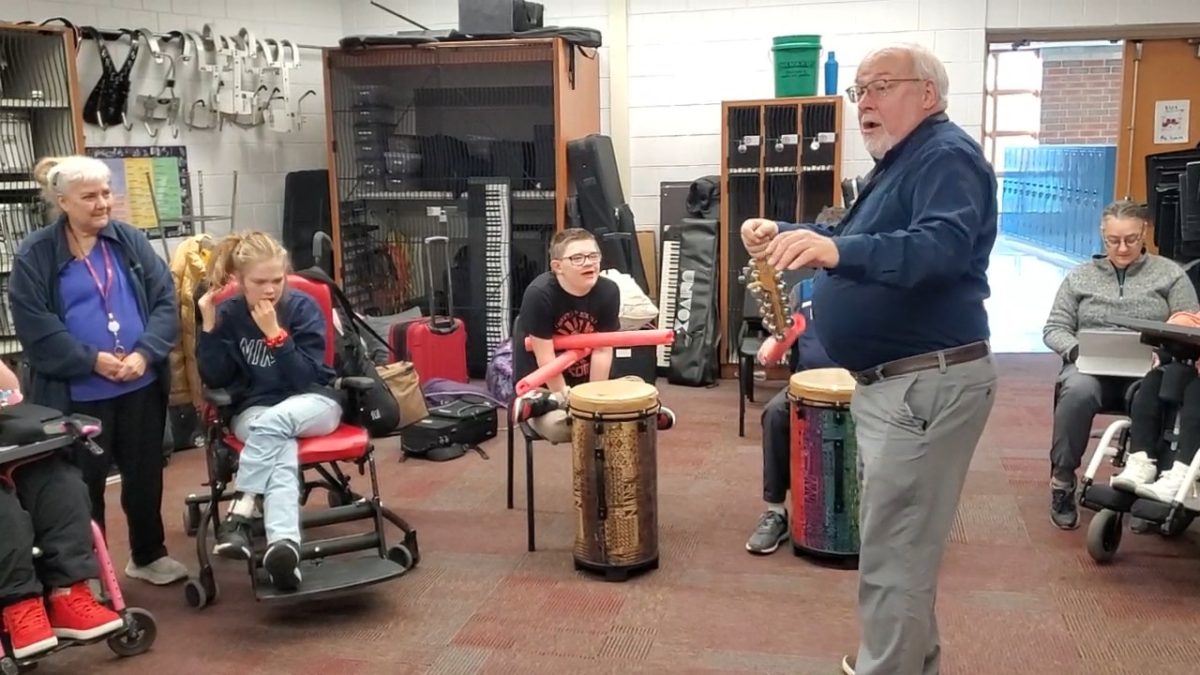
point(1130, 241)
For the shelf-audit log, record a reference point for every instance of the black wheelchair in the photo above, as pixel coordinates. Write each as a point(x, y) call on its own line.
point(1112, 505)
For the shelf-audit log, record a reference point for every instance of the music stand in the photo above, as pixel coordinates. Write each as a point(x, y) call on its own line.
point(1180, 342)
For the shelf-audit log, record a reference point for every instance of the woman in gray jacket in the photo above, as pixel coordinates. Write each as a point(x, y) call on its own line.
point(1125, 281)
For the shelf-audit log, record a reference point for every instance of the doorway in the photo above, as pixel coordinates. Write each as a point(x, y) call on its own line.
point(1052, 115)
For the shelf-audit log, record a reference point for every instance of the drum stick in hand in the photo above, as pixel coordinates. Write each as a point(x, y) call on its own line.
point(560, 363)
point(622, 338)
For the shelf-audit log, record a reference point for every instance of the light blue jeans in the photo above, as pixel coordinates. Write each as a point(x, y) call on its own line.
point(269, 465)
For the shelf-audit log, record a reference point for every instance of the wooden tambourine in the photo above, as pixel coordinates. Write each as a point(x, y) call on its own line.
point(766, 284)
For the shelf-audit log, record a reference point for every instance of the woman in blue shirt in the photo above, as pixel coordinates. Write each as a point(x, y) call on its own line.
point(94, 309)
point(266, 346)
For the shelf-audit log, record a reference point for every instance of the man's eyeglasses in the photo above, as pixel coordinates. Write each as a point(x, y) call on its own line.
point(876, 88)
point(581, 259)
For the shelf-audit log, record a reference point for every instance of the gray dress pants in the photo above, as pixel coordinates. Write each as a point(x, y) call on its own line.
point(916, 436)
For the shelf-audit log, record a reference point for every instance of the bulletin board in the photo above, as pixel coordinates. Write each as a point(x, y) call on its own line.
point(167, 168)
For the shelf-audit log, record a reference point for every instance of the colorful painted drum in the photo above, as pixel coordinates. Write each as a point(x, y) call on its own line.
point(614, 434)
point(824, 465)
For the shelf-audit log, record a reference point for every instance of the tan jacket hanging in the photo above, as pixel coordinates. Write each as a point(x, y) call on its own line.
point(188, 266)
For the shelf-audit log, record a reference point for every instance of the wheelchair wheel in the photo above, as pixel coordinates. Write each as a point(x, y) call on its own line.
point(202, 592)
point(1104, 535)
point(140, 632)
point(400, 555)
point(9, 667)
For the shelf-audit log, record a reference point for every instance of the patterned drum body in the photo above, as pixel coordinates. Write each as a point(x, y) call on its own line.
point(824, 464)
point(614, 440)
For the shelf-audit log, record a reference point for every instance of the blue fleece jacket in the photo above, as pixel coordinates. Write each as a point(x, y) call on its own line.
point(55, 356)
point(235, 357)
point(913, 253)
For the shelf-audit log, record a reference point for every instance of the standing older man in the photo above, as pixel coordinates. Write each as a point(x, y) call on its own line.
point(900, 297)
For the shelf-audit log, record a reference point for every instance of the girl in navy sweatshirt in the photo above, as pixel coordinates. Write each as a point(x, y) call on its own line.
point(266, 347)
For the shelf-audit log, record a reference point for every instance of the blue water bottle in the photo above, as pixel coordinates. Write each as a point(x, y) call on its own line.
point(831, 74)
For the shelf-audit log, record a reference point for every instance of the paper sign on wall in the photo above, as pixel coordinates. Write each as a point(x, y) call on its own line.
point(1171, 122)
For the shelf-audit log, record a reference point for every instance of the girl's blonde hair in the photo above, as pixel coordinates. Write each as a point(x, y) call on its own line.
point(56, 174)
point(237, 250)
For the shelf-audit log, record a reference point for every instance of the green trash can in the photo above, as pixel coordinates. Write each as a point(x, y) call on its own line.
point(797, 65)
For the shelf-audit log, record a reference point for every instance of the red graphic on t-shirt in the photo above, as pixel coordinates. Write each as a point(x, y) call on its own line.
point(576, 322)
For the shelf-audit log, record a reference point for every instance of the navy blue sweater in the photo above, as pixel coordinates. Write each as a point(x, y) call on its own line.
point(56, 357)
point(234, 356)
point(913, 253)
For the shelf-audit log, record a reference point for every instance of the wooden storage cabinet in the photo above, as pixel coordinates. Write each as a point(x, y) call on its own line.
point(410, 126)
point(782, 160)
point(41, 115)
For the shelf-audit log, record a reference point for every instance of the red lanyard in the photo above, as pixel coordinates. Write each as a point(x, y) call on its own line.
point(105, 288)
point(113, 326)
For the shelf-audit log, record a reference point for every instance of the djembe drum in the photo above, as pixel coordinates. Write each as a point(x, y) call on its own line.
point(614, 431)
point(824, 466)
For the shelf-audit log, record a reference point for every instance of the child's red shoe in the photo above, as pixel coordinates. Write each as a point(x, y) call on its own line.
point(28, 628)
point(75, 614)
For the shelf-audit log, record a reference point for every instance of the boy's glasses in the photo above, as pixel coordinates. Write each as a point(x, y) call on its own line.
point(581, 259)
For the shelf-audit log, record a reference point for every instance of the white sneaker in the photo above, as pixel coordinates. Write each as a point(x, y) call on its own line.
point(161, 572)
point(1168, 484)
point(1139, 470)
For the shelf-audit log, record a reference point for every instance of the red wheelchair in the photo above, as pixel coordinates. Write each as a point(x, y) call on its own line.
point(327, 565)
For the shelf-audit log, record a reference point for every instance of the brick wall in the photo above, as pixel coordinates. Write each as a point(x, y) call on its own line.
point(1081, 99)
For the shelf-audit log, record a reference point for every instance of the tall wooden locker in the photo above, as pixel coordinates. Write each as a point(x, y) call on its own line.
point(41, 115)
point(782, 160)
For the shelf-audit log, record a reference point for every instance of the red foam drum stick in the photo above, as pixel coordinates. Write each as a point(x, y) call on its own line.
point(789, 338)
point(622, 338)
point(560, 363)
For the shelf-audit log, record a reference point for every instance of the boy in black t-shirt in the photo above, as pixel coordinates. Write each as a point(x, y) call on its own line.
point(570, 299)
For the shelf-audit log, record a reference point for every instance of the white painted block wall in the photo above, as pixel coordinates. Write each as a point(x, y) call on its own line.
point(686, 56)
point(261, 157)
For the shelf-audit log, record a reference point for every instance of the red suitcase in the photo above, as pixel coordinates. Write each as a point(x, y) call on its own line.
point(436, 345)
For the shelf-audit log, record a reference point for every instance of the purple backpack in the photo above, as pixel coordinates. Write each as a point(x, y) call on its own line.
point(499, 377)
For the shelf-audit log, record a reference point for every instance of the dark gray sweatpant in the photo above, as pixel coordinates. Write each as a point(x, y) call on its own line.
point(49, 509)
point(1080, 398)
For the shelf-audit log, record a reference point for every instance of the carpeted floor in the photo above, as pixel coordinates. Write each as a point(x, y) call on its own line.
point(1016, 594)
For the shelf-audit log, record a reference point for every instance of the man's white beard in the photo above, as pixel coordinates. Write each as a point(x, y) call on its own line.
point(878, 146)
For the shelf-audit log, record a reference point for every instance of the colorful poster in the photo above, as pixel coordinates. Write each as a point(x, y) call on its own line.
point(1171, 122)
point(144, 177)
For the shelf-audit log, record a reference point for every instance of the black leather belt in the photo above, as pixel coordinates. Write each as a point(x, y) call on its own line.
point(912, 364)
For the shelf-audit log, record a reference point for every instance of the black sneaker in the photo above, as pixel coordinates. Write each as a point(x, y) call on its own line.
point(535, 405)
point(1141, 526)
point(282, 562)
point(233, 538)
point(1063, 512)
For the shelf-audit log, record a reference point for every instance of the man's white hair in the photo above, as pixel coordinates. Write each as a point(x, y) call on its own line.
point(926, 66)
